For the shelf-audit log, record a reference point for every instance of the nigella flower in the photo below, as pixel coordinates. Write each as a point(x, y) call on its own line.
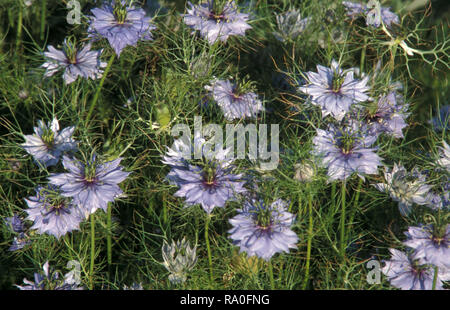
point(92, 185)
point(407, 272)
point(431, 243)
point(441, 122)
point(20, 242)
point(335, 90)
point(48, 143)
point(388, 116)
point(74, 62)
point(234, 102)
point(406, 188)
point(346, 150)
point(444, 161)
point(373, 12)
point(179, 259)
point(440, 201)
point(49, 280)
point(290, 25)
point(52, 213)
point(216, 22)
point(263, 230)
point(122, 25)
point(15, 223)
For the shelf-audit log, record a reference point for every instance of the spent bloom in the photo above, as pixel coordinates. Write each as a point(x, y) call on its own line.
point(52, 213)
point(234, 101)
point(346, 150)
point(179, 259)
point(290, 25)
point(215, 21)
point(263, 230)
point(373, 13)
point(73, 62)
point(431, 243)
point(48, 143)
point(92, 185)
point(120, 24)
point(407, 272)
point(405, 187)
point(334, 90)
point(444, 161)
point(48, 280)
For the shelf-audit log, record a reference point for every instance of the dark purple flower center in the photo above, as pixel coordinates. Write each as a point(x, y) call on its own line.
point(217, 16)
point(209, 178)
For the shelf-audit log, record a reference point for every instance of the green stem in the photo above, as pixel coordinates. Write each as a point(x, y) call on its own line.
point(310, 235)
point(91, 270)
point(109, 236)
point(272, 281)
point(99, 87)
point(43, 16)
point(208, 219)
point(355, 207)
point(342, 221)
point(436, 270)
point(19, 26)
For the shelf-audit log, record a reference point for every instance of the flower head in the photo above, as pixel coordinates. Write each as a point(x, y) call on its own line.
point(263, 230)
point(346, 150)
point(406, 188)
point(373, 13)
point(48, 143)
point(179, 259)
point(120, 24)
point(15, 223)
point(19, 242)
point(442, 121)
point(92, 185)
point(52, 213)
point(74, 62)
point(216, 22)
point(335, 90)
point(234, 102)
point(290, 25)
point(444, 161)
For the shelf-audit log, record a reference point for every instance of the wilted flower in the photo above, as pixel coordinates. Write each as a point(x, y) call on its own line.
point(74, 62)
point(444, 161)
point(407, 272)
point(406, 188)
point(304, 171)
point(290, 25)
point(388, 116)
point(179, 259)
point(122, 25)
point(48, 143)
point(373, 12)
point(334, 89)
point(431, 243)
point(234, 102)
point(263, 230)
point(216, 22)
point(346, 150)
point(92, 185)
point(52, 213)
point(48, 281)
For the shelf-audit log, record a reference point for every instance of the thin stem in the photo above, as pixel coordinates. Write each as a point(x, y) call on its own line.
point(208, 219)
point(436, 270)
point(310, 235)
point(91, 270)
point(19, 26)
point(342, 221)
point(355, 206)
point(43, 16)
point(109, 236)
point(99, 87)
point(272, 281)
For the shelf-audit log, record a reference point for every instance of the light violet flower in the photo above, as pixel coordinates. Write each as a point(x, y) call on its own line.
point(48, 143)
point(179, 259)
point(373, 13)
point(444, 161)
point(290, 25)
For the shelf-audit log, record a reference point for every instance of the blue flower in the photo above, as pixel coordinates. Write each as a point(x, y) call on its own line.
point(20, 242)
point(216, 23)
point(92, 185)
point(52, 213)
point(15, 223)
point(335, 90)
point(263, 230)
point(441, 122)
point(234, 103)
point(49, 143)
point(346, 150)
point(290, 25)
point(121, 25)
point(430, 244)
point(407, 272)
point(373, 12)
point(84, 63)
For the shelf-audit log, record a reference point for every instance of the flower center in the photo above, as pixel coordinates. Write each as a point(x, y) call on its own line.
point(264, 218)
point(346, 143)
point(90, 173)
point(209, 177)
point(120, 12)
point(70, 50)
point(48, 137)
point(337, 82)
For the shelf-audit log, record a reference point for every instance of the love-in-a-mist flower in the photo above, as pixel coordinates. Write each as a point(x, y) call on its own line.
point(335, 90)
point(120, 24)
point(405, 187)
point(372, 12)
point(48, 280)
point(290, 25)
point(345, 150)
point(442, 120)
point(388, 115)
point(179, 259)
point(444, 160)
point(441, 201)
point(48, 143)
point(74, 62)
point(91, 184)
point(19, 242)
point(52, 213)
point(263, 230)
point(15, 223)
point(216, 20)
point(234, 101)
point(407, 272)
point(430, 243)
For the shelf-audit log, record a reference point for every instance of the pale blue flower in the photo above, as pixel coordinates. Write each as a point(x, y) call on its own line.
point(290, 25)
